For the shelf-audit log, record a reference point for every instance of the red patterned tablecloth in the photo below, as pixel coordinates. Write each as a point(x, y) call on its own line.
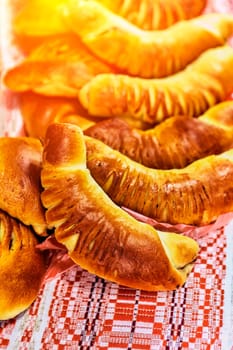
point(78, 310)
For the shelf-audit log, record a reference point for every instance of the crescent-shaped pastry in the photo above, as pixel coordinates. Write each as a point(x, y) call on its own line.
point(20, 168)
point(196, 194)
point(39, 111)
point(60, 66)
point(155, 14)
point(39, 18)
point(99, 235)
point(174, 143)
point(22, 267)
point(202, 84)
point(146, 54)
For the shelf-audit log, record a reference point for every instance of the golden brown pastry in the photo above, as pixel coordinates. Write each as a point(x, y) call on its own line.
point(155, 14)
point(9, 10)
point(196, 194)
point(146, 54)
point(100, 236)
point(60, 66)
point(22, 267)
point(202, 84)
point(174, 143)
point(38, 111)
point(20, 167)
point(38, 18)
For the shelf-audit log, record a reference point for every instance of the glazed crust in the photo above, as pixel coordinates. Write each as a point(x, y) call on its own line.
point(20, 165)
point(60, 66)
point(174, 143)
point(39, 111)
point(22, 267)
point(202, 84)
point(100, 236)
point(196, 194)
point(145, 54)
point(155, 14)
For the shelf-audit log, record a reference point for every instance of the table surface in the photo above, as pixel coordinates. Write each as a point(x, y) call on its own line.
point(78, 310)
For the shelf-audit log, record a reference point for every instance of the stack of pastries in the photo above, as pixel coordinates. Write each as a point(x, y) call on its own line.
point(121, 110)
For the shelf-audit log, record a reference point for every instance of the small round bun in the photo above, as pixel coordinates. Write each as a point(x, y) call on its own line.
point(22, 267)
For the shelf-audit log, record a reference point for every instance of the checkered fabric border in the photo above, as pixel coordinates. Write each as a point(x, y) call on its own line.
point(81, 311)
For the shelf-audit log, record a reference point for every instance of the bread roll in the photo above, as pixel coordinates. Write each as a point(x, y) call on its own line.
point(40, 18)
point(174, 143)
point(39, 111)
point(20, 165)
point(195, 195)
point(22, 267)
point(100, 236)
point(155, 14)
point(145, 54)
point(205, 82)
point(60, 66)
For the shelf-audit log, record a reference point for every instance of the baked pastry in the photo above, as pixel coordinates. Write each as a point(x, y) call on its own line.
point(39, 18)
point(99, 236)
point(60, 66)
point(39, 111)
point(155, 14)
point(202, 84)
point(195, 195)
point(20, 165)
point(146, 54)
point(22, 267)
point(174, 143)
